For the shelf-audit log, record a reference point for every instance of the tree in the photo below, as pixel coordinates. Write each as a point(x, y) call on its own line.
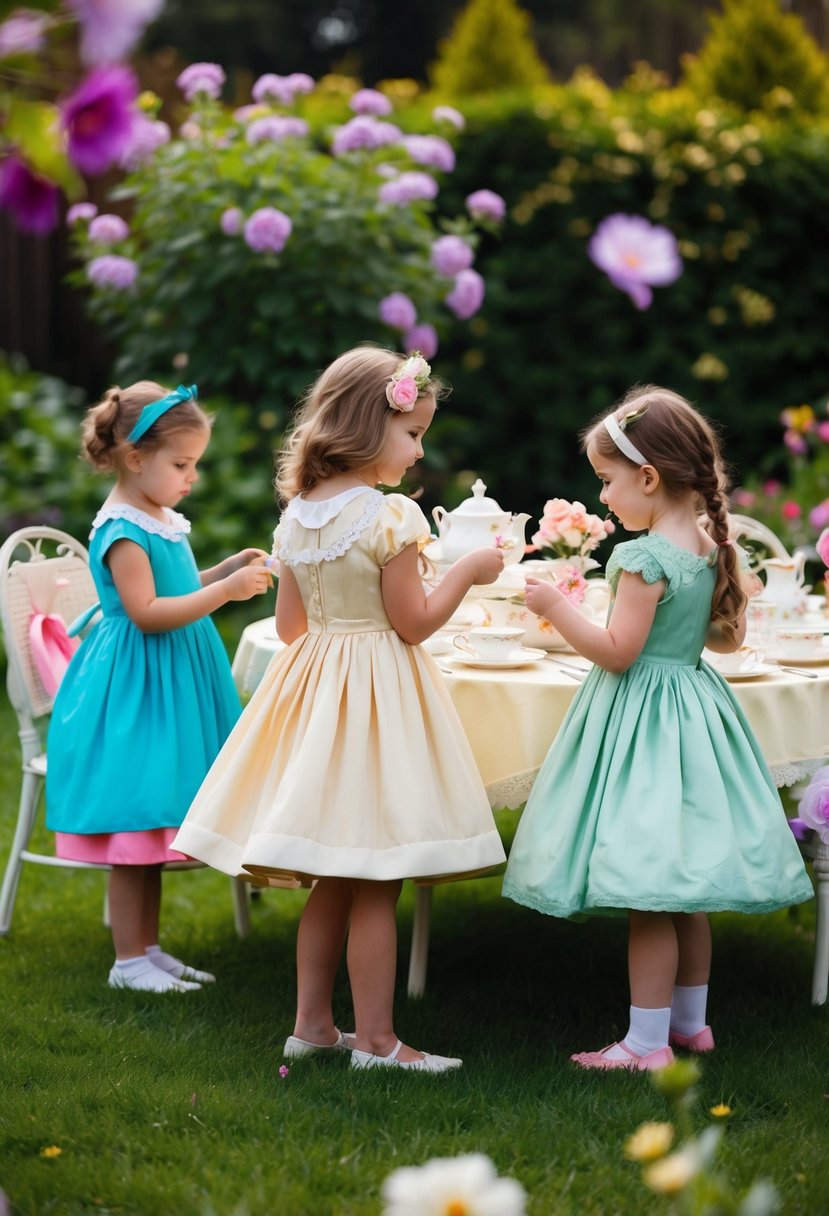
point(490, 47)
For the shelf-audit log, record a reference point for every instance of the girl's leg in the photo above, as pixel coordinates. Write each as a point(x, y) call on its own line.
point(128, 897)
point(158, 957)
point(690, 995)
point(319, 948)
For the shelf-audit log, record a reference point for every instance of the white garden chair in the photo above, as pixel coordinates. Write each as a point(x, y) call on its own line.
point(35, 557)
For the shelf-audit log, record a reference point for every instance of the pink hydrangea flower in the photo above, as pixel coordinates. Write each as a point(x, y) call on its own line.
point(397, 310)
point(111, 270)
point(370, 101)
point(80, 211)
point(450, 255)
point(430, 150)
point(32, 199)
point(205, 78)
point(636, 255)
point(98, 118)
point(276, 127)
point(422, 338)
point(111, 28)
point(281, 89)
point(486, 205)
point(364, 131)
point(231, 221)
point(451, 115)
point(267, 230)
point(22, 33)
point(146, 137)
point(823, 546)
point(108, 230)
point(408, 188)
point(467, 296)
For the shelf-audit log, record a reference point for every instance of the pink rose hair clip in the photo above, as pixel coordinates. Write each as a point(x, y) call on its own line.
point(408, 382)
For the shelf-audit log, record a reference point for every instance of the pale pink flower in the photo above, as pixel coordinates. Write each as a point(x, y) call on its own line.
point(110, 28)
point(823, 431)
point(267, 230)
point(486, 205)
point(572, 584)
point(823, 546)
point(403, 394)
point(411, 187)
point(795, 442)
point(450, 255)
point(281, 89)
point(80, 211)
point(451, 115)
point(568, 528)
point(113, 271)
point(108, 229)
point(743, 498)
point(397, 311)
point(201, 78)
point(819, 515)
point(231, 221)
point(635, 255)
point(422, 338)
point(467, 296)
point(146, 137)
point(370, 101)
point(364, 131)
point(814, 804)
point(22, 33)
point(430, 150)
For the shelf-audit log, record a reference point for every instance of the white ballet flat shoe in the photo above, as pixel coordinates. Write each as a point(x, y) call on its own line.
point(295, 1048)
point(429, 1063)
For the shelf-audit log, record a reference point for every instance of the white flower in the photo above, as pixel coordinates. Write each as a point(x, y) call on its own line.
point(453, 1186)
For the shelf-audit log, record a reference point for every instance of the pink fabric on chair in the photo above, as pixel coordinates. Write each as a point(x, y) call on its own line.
point(52, 648)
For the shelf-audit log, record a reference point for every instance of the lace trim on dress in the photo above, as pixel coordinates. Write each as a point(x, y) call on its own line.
point(677, 565)
point(178, 526)
point(285, 538)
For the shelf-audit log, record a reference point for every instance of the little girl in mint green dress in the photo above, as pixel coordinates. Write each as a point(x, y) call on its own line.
point(655, 797)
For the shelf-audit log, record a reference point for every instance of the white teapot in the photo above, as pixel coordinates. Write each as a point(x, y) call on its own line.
point(479, 523)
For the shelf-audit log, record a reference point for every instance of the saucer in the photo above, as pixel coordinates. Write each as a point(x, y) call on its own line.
point(750, 673)
point(812, 660)
point(517, 658)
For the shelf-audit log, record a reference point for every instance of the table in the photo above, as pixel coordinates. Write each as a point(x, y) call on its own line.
point(511, 718)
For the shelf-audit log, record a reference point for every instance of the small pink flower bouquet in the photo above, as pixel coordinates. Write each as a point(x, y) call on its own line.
point(567, 529)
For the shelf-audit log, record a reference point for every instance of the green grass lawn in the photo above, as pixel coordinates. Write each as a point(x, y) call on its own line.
point(175, 1104)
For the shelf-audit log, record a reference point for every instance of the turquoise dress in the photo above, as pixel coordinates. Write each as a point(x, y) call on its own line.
point(139, 717)
point(654, 794)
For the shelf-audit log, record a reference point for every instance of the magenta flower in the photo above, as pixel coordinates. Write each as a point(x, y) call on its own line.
point(370, 101)
point(408, 188)
point(276, 127)
point(795, 442)
point(80, 211)
point(146, 137)
point(108, 230)
point(823, 546)
point(430, 150)
point(201, 78)
point(98, 118)
point(450, 255)
point(791, 510)
point(467, 296)
point(635, 255)
point(819, 515)
point(231, 221)
point(486, 205)
point(398, 311)
point(267, 230)
point(284, 1070)
point(22, 33)
point(32, 199)
point(423, 339)
point(823, 431)
point(110, 28)
point(111, 270)
point(364, 131)
point(814, 804)
point(772, 487)
point(451, 115)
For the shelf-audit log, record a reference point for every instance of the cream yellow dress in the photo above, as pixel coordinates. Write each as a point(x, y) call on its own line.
point(349, 760)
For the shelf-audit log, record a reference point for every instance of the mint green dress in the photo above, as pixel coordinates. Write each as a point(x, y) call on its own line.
point(654, 794)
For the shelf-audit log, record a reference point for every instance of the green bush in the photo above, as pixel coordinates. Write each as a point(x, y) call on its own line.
point(489, 48)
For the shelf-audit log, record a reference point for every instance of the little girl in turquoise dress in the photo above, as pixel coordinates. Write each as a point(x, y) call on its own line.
point(148, 698)
point(655, 797)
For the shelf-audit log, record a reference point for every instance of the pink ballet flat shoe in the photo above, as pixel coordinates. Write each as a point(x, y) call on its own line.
point(429, 1063)
point(295, 1048)
point(700, 1042)
point(660, 1058)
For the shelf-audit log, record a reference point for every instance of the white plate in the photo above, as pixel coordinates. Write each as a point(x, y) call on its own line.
point(521, 658)
point(814, 660)
point(751, 673)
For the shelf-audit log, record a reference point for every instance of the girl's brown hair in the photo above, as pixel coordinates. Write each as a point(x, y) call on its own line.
point(685, 450)
point(342, 420)
point(107, 424)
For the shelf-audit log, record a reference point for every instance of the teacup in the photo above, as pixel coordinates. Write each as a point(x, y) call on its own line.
point(744, 659)
point(800, 643)
point(490, 643)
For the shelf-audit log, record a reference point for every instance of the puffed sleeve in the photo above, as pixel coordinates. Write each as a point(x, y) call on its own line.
point(120, 529)
point(400, 522)
point(637, 557)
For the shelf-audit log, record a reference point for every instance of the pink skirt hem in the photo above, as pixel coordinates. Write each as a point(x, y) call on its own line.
point(148, 848)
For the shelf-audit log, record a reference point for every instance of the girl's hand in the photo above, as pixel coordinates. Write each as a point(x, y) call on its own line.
point(251, 580)
point(484, 565)
point(541, 597)
point(246, 557)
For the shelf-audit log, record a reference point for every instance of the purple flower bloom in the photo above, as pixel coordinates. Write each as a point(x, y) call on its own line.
point(32, 199)
point(276, 127)
point(386, 170)
point(231, 221)
point(467, 296)
point(301, 82)
point(795, 442)
point(486, 205)
point(110, 28)
point(408, 188)
point(80, 211)
point(823, 546)
point(267, 230)
point(197, 78)
point(146, 137)
point(398, 311)
point(819, 515)
point(113, 271)
point(451, 115)
point(430, 150)
point(364, 132)
point(422, 339)
point(22, 33)
point(370, 101)
point(281, 89)
point(635, 255)
point(98, 118)
point(450, 255)
point(108, 229)
point(814, 804)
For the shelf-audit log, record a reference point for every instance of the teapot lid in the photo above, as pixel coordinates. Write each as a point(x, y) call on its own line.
point(478, 504)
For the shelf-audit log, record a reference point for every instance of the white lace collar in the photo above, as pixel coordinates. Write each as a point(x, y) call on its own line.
point(287, 537)
point(319, 512)
point(177, 527)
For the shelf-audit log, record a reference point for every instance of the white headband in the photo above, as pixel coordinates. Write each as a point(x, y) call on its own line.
point(622, 442)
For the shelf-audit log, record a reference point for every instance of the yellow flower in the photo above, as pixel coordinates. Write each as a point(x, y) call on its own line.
point(720, 1110)
point(649, 1141)
point(51, 1150)
point(671, 1174)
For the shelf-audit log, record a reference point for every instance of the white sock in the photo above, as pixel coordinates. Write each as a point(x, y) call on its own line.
point(688, 1008)
point(174, 966)
point(140, 974)
point(648, 1029)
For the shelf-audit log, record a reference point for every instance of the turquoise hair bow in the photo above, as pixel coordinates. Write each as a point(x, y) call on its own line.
point(152, 412)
